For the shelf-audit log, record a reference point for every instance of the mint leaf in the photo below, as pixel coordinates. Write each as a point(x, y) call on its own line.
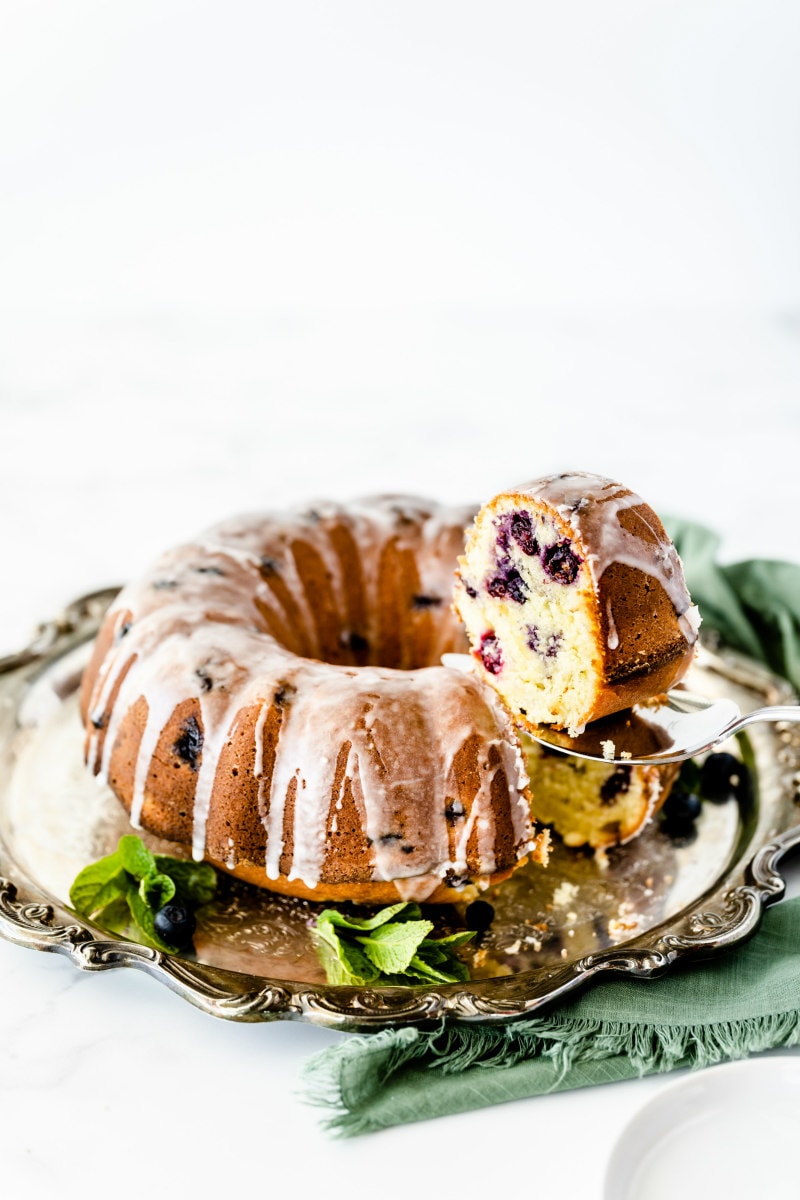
point(451, 939)
point(456, 972)
point(392, 946)
point(144, 917)
point(117, 917)
point(91, 881)
point(344, 963)
point(109, 892)
point(394, 912)
point(156, 890)
point(136, 858)
point(195, 882)
point(126, 889)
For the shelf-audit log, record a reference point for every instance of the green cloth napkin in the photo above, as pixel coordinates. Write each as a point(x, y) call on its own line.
point(754, 605)
point(728, 1007)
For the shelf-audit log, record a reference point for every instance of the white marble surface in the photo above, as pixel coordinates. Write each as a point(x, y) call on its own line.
point(286, 256)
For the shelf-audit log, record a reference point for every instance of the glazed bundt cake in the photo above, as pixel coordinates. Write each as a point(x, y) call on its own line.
point(574, 601)
point(271, 696)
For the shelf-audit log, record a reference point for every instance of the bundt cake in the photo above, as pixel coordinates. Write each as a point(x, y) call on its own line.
point(271, 696)
point(574, 601)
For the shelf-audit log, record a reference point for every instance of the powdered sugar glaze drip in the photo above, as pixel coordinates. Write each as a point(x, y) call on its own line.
point(592, 506)
point(273, 622)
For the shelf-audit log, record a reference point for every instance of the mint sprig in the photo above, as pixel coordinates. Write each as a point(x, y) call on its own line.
point(124, 891)
point(391, 947)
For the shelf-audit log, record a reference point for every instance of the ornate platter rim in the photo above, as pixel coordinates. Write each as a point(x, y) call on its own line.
point(722, 917)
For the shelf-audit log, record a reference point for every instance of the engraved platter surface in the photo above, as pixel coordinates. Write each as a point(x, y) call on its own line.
point(637, 909)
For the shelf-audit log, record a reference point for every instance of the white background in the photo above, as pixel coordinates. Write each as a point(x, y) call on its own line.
point(259, 253)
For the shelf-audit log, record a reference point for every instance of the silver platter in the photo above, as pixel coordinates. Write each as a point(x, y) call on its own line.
point(637, 910)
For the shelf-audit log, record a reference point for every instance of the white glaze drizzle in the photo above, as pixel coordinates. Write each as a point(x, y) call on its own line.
point(613, 636)
point(592, 505)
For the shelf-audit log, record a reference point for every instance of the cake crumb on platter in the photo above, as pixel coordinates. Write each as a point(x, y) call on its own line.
point(564, 894)
point(601, 858)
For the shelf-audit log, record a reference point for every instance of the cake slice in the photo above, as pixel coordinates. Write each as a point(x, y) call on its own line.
point(595, 804)
point(574, 601)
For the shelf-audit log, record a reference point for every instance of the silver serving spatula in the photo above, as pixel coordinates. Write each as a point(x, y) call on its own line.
point(680, 726)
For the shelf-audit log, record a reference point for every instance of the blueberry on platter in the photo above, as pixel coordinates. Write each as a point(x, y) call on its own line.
point(721, 777)
point(175, 924)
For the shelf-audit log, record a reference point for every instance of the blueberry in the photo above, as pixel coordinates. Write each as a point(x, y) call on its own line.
point(190, 743)
point(175, 924)
point(553, 643)
point(452, 879)
point(206, 682)
point(355, 642)
point(547, 648)
point(681, 834)
point(490, 653)
point(508, 583)
point(522, 533)
point(680, 811)
point(560, 563)
point(478, 915)
point(721, 776)
point(617, 783)
point(454, 812)
point(425, 601)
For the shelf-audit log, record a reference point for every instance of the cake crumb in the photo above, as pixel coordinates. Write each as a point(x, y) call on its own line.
point(618, 927)
point(564, 893)
point(608, 748)
point(625, 754)
point(626, 921)
point(601, 858)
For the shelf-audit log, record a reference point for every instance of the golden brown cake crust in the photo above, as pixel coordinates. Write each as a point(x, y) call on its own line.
point(270, 695)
